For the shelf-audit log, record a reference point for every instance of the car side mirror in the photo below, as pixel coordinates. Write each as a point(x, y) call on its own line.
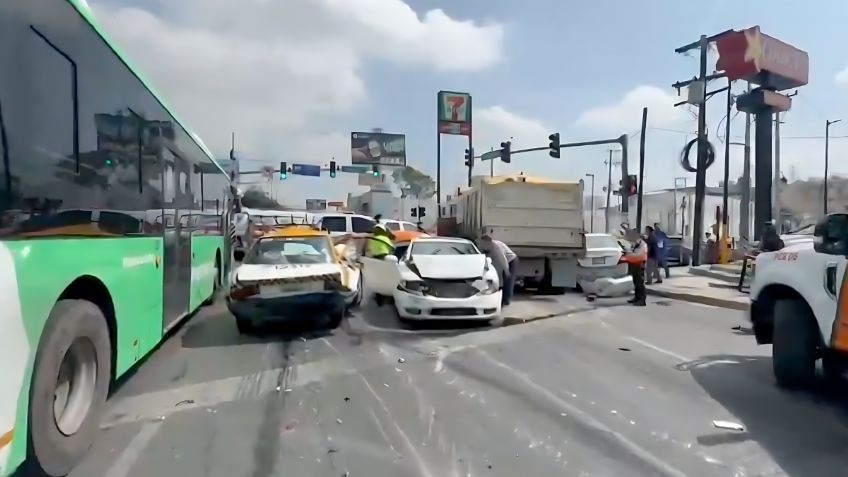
point(831, 235)
point(391, 258)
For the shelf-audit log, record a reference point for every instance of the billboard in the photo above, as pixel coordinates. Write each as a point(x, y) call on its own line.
point(316, 204)
point(377, 148)
point(454, 113)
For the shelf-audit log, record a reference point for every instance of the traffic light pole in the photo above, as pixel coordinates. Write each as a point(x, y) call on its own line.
point(641, 184)
point(621, 140)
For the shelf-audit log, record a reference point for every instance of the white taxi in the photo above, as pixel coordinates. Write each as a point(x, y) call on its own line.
point(293, 273)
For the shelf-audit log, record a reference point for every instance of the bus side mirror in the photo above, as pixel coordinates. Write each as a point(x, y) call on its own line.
point(831, 235)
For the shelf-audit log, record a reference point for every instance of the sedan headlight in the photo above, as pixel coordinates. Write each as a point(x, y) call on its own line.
point(414, 287)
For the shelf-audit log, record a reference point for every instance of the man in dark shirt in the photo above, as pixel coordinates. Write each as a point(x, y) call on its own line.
point(652, 266)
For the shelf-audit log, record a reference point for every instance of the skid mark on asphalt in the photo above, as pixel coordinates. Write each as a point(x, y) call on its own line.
point(136, 447)
point(588, 420)
point(423, 469)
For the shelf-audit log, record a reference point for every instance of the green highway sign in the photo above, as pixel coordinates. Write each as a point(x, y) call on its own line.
point(488, 156)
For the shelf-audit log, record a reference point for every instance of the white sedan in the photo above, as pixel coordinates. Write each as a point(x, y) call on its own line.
point(436, 278)
point(600, 272)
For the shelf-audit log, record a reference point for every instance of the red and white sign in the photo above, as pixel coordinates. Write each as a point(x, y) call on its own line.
point(454, 113)
point(756, 57)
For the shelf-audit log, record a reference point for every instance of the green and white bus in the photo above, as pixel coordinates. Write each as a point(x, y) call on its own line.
point(113, 218)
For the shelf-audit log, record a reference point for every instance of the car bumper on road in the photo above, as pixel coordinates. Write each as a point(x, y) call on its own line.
point(289, 308)
point(417, 307)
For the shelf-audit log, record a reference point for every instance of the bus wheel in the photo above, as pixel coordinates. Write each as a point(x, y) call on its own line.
point(72, 372)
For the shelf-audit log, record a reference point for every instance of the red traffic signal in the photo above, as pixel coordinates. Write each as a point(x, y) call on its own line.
point(632, 186)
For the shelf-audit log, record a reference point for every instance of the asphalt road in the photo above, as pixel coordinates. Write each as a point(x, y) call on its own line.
point(599, 390)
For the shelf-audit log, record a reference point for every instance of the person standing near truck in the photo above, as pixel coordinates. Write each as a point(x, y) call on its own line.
point(505, 262)
point(635, 260)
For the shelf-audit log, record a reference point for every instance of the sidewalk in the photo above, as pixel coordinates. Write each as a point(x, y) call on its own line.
point(698, 289)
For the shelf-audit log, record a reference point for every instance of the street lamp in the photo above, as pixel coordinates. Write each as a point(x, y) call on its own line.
point(827, 124)
point(592, 205)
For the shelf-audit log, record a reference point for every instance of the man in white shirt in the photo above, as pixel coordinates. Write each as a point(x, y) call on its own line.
point(505, 262)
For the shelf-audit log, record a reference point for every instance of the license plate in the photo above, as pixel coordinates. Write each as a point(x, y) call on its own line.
point(598, 261)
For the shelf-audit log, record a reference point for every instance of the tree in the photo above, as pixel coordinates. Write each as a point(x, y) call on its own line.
point(256, 199)
point(418, 183)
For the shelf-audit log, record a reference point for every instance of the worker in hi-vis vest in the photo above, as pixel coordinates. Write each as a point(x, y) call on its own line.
point(635, 259)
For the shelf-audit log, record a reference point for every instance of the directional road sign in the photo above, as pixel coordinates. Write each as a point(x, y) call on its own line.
point(306, 170)
point(356, 169)
point(488, 156)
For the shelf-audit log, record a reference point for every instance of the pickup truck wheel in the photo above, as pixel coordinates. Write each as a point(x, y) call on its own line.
point(244, 325)
point(334, 318)
point(795, 344)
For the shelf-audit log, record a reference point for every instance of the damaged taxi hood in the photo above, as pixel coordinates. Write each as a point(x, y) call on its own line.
point(258, 273)
point(450, 267)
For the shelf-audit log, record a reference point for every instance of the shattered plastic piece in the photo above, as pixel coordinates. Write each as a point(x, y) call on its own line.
point(733, 426)
point(184, 401)
point(398, 369)
point(401, 360)
point(278, 388)
point(288, 390)
point(563, 414)
point(613, 411)
point(161, 418)
point(385, 385)
point(303, 339)
point(338, 421)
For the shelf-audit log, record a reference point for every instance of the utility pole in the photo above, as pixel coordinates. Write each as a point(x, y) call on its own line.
point(703, 146)
point(745, 206)
point(641, 184)
point(592, 205)
point(775, 185)
point(827, 124)
point(725, 233)
point(609, 190)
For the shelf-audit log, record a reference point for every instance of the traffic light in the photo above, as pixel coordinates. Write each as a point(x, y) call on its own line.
point(332, 169)
point(554, 145)
point(375, 171)
point(469, 157)
point(505, 152)
point(421, 211)
point(284, 170)
point(414, 211)
point(632, 187)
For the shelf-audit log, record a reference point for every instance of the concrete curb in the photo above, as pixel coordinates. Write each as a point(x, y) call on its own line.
point(704, 300)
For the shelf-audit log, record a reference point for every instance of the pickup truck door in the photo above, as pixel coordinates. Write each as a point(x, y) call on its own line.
point(835, 332)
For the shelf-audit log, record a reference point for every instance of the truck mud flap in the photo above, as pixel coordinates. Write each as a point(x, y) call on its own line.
point(564, 272)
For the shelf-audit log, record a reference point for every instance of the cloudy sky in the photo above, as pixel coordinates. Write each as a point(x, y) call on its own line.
point(293, 78)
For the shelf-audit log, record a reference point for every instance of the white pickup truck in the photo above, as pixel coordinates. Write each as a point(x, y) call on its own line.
point(541, 220)
point(799, 303)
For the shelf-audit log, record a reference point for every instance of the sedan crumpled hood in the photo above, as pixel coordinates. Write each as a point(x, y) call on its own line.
point(256, 273)
point(450, 267)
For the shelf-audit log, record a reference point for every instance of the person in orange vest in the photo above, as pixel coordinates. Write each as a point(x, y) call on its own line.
point(635, 259)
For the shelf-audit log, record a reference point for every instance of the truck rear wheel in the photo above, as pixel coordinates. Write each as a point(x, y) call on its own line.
point(795, 344)
point(72, 373)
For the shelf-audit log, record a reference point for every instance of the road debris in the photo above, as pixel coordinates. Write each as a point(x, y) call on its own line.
point(184, 401)
point(401, 360)
point(624, 349)
point(338, 421)
point(346, 399)
point(287, 390)
point(729, 425)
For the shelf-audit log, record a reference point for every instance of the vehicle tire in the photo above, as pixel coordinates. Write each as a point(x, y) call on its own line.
point(334, 318)
point(834, 368)
point(379, 299)
point(71, 378)
point(795, 344)
point(216, 284)
point(245, 325)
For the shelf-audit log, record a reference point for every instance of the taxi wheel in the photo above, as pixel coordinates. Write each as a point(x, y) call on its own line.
point(334, 319)
point(244, 325)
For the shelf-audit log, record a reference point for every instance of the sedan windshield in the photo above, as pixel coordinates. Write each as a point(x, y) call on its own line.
point(444, 247)
point(290, 251)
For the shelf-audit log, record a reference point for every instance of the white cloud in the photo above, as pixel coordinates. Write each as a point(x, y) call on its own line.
point(626, 114)
point(274, 70)
point(495, 124)
point(842, 77)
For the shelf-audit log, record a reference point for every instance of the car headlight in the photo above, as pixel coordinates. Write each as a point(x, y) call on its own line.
point(491, 287)
point(412, 286)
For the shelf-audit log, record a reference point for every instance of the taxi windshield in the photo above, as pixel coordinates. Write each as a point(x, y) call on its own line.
point(290, 251)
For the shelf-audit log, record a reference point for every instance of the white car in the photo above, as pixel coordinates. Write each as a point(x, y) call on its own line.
point(437, 278)
point(600, 264)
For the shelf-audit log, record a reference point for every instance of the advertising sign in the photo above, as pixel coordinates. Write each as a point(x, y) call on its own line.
point(306, 170)
point(355, 169)
point(756, 57)
point(316, 204)
point(377, 148)
point(454, 113)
